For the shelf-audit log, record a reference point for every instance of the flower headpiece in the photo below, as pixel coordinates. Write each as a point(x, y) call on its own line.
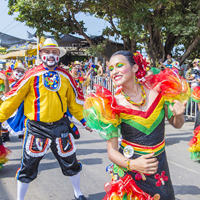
point(142, 63)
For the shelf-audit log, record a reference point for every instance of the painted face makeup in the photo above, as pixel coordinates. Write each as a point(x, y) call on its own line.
point(120, 65)
point(18, 74)
point(120, 70)
point(50, 60)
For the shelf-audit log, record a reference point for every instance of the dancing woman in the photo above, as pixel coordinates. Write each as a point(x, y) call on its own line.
point(195, 141)
point(140, 170)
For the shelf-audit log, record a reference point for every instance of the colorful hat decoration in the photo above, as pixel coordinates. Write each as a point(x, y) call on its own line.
point(176, 64)
point(196, 60)
point(51, 43)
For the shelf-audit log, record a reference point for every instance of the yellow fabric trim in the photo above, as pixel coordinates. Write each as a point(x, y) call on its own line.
point(146, 122)
point(142, 149)
point(50, 45)
point(50, 105)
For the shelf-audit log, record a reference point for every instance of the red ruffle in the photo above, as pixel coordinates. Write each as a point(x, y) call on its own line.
point(196, 93)
point(126, 186)
point(167, 82)
point(194, 140)
point(4, 153)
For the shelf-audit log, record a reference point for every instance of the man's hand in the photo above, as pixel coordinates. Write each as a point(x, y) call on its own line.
point(3, 77)
point(88, 128)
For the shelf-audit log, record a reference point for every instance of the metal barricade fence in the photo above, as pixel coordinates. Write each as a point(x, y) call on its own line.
point(102, 81)
point(190, 112)
point(191, 109)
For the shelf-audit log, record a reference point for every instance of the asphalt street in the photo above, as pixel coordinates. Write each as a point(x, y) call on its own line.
point(91, 151)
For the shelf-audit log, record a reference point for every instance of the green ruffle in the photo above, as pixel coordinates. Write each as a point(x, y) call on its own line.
point(170, 113)
point(119, 170)
point(195, 155)
point(155, 70)
point(2, 88)
point(106, 131)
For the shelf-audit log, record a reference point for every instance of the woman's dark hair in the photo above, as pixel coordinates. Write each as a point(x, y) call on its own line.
point(127, 54)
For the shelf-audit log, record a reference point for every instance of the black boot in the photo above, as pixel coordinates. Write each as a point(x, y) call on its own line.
point(5, 137)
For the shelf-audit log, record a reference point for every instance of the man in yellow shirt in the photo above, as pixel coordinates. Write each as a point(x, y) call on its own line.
point(47, 92)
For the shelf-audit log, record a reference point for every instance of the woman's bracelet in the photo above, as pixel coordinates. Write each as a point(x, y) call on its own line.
point(128, 165)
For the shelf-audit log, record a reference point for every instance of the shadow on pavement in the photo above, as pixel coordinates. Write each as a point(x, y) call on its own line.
point(89, 141)
point(12, 148)
point(79, 152)
point(9, 170)
point(186, 189)
point(90, 151)
point(174, 140)
point(98, 196)
point(91, 161)
point(178, 134)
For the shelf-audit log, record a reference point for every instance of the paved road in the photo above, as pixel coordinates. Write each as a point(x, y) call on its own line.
point(52, 185)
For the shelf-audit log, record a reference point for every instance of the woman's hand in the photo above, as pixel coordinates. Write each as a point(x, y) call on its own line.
point(178, 108)
point(178, 119)
point(145, 164)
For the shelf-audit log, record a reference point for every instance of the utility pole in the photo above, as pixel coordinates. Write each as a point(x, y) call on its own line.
point(38, 41)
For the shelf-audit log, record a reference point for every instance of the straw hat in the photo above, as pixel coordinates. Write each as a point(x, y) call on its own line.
point(19, 65)
point(196, 60)
point(77, 63)
point(66, 67)
point(51, 43)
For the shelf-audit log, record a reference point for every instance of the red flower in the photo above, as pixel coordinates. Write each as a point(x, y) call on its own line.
point(161, 179)
point(142, 64)
point(81, 79)
point(140, 176)
point(193, 141)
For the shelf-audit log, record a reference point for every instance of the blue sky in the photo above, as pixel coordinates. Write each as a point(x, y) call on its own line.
point(12, 27)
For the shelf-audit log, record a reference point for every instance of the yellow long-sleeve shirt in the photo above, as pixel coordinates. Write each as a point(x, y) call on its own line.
point(46, 95)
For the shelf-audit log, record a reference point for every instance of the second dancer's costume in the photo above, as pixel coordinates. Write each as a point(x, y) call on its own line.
point(195, 141)
point(142, 133)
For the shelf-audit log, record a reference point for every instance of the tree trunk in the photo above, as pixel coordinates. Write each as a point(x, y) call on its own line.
point(169, 44)
point(155, 45)
point(133, 45)
point(189, 49)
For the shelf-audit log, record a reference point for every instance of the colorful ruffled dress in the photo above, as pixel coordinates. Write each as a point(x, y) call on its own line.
point(4, 152)
point(142, 133)
point(195, 141)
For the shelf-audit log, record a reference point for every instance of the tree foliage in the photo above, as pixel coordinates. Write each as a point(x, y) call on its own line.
point(158, 25)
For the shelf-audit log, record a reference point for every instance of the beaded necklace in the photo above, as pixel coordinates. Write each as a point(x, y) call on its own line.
point(143, 94)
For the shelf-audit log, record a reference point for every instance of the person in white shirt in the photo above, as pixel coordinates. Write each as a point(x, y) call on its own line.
point(91, 60)
point(169, 56)
point(195, 73)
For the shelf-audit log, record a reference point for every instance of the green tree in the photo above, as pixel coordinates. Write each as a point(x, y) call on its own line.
point(159, 25)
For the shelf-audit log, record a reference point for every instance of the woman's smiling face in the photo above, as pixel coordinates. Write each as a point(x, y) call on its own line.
point(121, 71)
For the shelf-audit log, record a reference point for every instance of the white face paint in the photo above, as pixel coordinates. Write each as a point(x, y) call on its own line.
point(50, 59)
point(17, 74)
